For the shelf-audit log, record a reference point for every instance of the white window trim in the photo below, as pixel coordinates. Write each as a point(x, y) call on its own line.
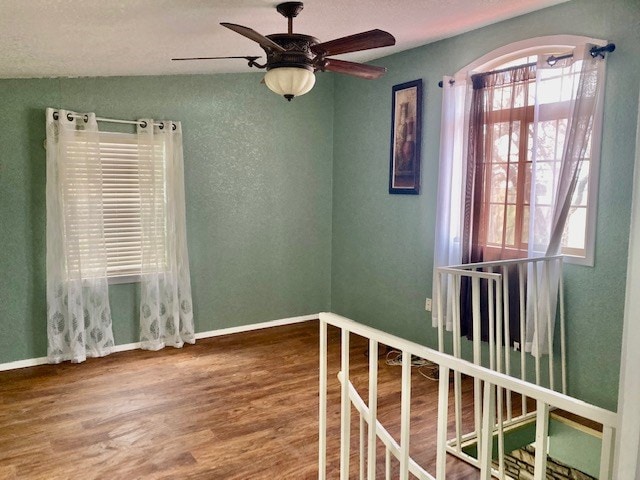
point(530, 46)
point(538, 46)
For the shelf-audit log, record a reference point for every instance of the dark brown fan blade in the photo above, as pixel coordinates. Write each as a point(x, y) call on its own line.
point(355, 43)
point(253, 35)
point(370, 72)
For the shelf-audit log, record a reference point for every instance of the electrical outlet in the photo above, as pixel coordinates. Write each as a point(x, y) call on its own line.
point(427, 304)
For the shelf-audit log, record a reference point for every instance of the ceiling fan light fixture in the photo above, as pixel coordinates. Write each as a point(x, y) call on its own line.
point(293, 58)
point(290, 81)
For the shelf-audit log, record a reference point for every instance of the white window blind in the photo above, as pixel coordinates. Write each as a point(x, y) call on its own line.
point(127, 192)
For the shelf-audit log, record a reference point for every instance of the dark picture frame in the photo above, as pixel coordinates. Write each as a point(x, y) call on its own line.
point(406, 134)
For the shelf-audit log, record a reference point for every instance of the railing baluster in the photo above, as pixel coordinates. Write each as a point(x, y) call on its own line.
point(477, 334)
point(455, 314)
point(477, 358)
point(345, 409)
point(373, 408)
point(563, 353)
point(506, 316)
point(322, 417)
point(405, 415)
point(362, 437)
point(441, 320)
point(499, 325)
point(523, 332)
point(387, 465)
point(523, 357)
point(492, 322)
point(536, 332)
point(457, 378)
point(485, 450)
point(500, 434)
point(547, 279)
point(443, 416)
point(606, 452)
point(457, 400)
point(542, 440)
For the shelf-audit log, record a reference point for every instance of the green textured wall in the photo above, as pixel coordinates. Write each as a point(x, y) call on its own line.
point(382, 250)
point(574, 447)
point(258, 174)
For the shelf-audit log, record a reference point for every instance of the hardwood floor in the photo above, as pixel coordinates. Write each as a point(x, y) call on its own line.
point(242, 406)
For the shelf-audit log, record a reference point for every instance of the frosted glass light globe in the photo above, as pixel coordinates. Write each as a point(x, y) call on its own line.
point(290, 81)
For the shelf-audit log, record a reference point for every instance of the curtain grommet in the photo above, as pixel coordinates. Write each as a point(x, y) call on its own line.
point(69, 117)
point(174, 127)
point(143, 124)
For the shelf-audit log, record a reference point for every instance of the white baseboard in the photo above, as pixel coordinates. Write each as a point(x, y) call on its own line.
point(29, 362)
point(32, 362)
point(125, 347)
point(256, 326)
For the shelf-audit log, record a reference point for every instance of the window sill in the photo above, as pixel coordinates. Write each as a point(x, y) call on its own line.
point(573, 260)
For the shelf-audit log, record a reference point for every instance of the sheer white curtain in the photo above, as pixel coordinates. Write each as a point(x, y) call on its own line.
point(78, 314)
point(456, 106)
point(581, 89)
point(166, 314)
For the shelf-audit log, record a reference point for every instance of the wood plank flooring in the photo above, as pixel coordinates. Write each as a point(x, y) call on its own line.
point(242, 406)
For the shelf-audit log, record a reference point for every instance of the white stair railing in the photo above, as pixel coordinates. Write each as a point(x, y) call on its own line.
point(491, 281)
point(492, 384)
point(494, 277)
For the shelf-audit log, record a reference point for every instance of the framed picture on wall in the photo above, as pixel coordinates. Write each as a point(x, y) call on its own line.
point(406, 128)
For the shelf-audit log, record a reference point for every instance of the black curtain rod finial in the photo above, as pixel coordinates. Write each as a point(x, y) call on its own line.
point(595, 51)
point(451, 82)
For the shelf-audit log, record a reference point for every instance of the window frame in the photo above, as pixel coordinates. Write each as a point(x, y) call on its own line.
point(547, 45)
point(525, 117)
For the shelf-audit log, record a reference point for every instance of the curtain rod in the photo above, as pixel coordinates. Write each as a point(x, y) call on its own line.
point(142, 123)
point(552, 60)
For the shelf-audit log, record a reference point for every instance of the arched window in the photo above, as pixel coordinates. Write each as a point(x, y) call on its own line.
point(524, 133)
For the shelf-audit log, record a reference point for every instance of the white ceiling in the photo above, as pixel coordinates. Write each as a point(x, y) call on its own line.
point(56, 38)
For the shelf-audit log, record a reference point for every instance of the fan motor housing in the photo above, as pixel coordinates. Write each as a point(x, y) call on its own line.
point(297, 51)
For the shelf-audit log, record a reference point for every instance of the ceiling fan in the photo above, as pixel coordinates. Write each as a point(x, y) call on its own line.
point(293, 58)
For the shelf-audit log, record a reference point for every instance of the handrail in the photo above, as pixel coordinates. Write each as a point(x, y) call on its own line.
point(471, 273)
point(497, 263)
point(554, 399)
